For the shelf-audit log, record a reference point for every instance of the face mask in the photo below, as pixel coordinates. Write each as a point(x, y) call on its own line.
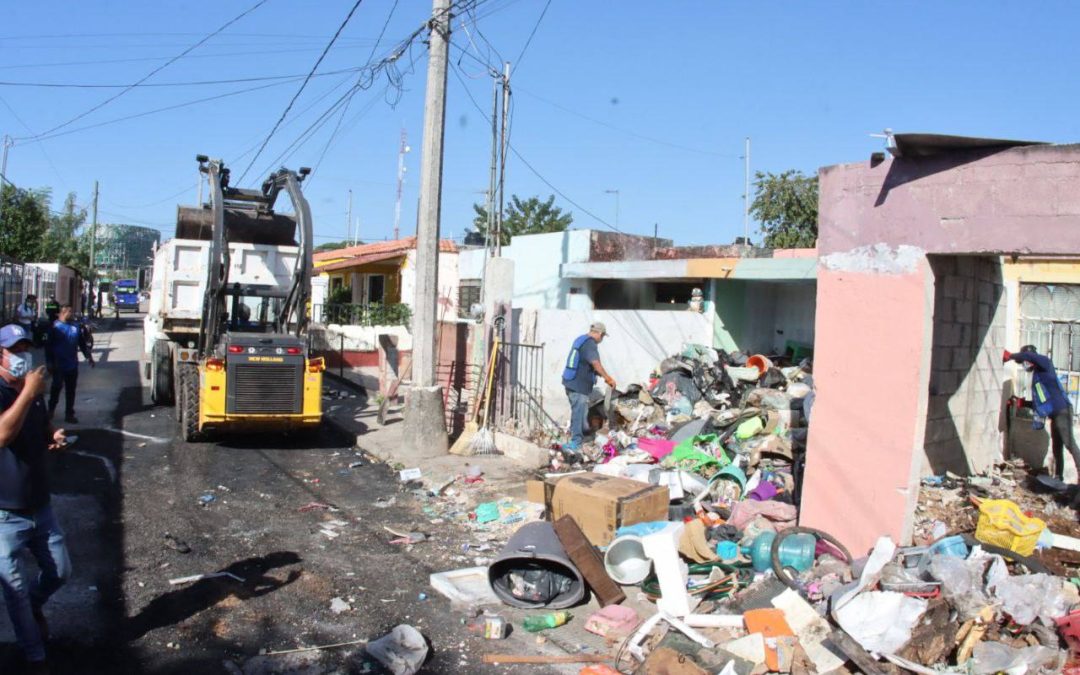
point(20, 364)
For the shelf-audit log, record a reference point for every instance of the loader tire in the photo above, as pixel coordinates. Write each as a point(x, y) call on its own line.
point(189, 403)
point(161, 374)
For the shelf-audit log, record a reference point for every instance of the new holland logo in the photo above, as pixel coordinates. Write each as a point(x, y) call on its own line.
point(266, 359)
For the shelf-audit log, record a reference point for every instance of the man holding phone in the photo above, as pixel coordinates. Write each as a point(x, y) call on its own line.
point(27, 522)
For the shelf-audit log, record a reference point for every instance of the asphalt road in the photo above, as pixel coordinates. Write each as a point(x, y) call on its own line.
point(141, 507)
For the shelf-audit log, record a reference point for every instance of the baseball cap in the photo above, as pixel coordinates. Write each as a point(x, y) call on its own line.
point(598, 327)
point(12, 334)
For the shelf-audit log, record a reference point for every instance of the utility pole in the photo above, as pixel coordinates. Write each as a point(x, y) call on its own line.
point(349, 236)
point(503, 142)
point(493, 179)
point(400, 181)
point(93, 244)
point(746, 194)
point(6, 143)
point(427, 228)
point(616, 193)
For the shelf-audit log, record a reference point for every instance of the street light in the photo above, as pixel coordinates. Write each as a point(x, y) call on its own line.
point(616, 193)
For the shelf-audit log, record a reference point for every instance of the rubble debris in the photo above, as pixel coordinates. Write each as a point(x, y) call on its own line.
point(403, 650)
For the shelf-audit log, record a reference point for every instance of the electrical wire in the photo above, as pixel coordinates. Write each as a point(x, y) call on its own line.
point(517, 64)
point(299, 91)
point(345, 110)
point(643, 137)
point(154, 71)
point(39, 138)
point(530, 166)
point(139, 59)
point(197, 83)
point(26, 126)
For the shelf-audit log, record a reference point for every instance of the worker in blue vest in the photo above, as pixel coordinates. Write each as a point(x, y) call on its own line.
point(1049, 400)
point(579, 377)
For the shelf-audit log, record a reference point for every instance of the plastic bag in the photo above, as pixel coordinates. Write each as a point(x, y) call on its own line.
point(961, 583)
point(402, 650)
point(1027, 597)
point(996, 657)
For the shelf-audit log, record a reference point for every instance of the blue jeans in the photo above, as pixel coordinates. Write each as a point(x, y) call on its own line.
point(41, 535)
point(579, 416)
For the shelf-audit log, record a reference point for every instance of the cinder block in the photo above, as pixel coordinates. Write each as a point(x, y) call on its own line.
point(965, 265)
point(962, 359)
point(954, 287)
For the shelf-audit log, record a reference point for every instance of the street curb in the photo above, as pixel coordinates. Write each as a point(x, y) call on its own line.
point(342, 429)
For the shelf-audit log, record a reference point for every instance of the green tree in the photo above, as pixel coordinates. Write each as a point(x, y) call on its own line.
point(786, 204)
point(334, 245)
point(24, 223)
point(63, 244)
point(528, 216)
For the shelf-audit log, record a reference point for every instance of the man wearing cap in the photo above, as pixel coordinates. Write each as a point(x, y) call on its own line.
point(66, 340)
point(579, 377)
point(1049, 400)
point(27, 522)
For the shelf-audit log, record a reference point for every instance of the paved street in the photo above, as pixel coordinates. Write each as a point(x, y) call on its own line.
point(129, 481)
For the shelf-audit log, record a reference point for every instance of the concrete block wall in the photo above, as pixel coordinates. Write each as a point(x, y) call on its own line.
point(964, 405)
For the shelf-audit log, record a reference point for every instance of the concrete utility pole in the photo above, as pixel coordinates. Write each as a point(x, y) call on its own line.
point(349, 236)
point(493, 178)
point(93, 243)
point(6, 143)
point(616, 193)
point(424, 426)
point(746, 195)
point(400, 181)
point(503, 142)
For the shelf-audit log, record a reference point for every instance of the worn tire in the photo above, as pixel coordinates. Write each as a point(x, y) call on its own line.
point(189, 403)
point(161, 374)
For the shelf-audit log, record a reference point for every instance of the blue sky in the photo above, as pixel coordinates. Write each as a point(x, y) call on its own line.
point(652, 99)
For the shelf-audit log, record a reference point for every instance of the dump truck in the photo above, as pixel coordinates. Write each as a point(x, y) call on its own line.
point(225, 337)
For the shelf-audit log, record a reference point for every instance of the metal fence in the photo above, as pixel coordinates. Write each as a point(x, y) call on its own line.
point(11, 288)
point(1050, 320)
point(518, 389)
point(362, 315)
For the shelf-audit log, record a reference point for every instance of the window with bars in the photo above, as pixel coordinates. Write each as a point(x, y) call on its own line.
point(1050, 320)
point(468, 295)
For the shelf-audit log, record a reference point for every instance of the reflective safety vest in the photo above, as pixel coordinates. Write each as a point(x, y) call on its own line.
point(573, 359)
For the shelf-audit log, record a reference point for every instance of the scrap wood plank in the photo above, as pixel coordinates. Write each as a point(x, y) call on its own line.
point(588, 561)
point(543, 658)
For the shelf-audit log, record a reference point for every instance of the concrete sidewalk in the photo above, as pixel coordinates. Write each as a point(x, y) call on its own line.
point(350, 412)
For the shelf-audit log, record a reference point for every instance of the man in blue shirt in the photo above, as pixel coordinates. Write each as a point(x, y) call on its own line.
point(1049, 400)
point(66, 340)
point(579, 377)
point(27, 522)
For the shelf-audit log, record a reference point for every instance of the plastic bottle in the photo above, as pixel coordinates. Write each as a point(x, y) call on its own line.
point(489, 627)
point(796, 550)
point(535, 624)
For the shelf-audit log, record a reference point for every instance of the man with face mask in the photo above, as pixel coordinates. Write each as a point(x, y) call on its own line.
point(1048, 398)
point(27, 522)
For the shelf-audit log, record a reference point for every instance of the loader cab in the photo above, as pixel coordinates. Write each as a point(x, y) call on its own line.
point(252, 309)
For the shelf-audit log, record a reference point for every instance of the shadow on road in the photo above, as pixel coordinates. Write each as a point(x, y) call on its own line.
point(176, 606)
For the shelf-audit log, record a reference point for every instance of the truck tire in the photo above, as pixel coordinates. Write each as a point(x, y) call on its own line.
point(189, 403)
point(161, 374)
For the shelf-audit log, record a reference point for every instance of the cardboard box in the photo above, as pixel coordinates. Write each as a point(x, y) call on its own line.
point(600, 504)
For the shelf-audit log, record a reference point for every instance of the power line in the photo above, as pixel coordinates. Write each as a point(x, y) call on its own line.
point(345, 110)
point(196, 83)
point(643, 137)
point(302, 86)
point(39, 138)
point(44, 153)
point(517, 64)
point(139, 59)
point(531, 167)
point(155, 70)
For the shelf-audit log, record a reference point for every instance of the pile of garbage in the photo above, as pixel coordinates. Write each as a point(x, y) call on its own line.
point(716, 428)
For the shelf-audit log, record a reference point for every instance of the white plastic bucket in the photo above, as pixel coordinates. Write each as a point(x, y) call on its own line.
point(626, 561)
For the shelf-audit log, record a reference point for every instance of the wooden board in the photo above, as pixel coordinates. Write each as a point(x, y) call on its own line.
point(588, 561)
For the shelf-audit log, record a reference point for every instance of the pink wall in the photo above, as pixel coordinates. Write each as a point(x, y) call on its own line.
point(871, 364)
point(875, 304)
point(1023, 200)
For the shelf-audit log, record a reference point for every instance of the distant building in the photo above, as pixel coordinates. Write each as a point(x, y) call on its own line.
point(124, 247)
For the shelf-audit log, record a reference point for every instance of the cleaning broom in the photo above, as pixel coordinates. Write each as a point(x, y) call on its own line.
point(483, 443)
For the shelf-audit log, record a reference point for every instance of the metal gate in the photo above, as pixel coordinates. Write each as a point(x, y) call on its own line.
point(518, 394)
point(1050, 320)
